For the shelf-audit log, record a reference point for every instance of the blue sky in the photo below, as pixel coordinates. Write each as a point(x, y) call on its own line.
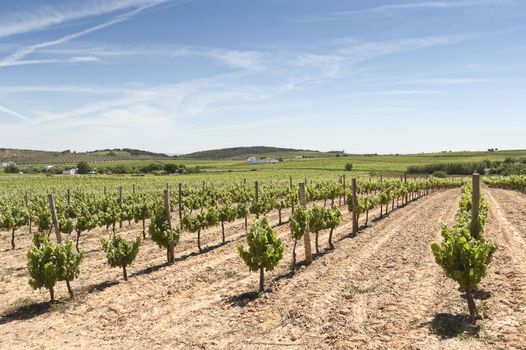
point(178, 76)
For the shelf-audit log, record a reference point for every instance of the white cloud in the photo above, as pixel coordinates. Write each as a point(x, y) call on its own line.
point(25, 51)
point(390, 10)
point(245, 59)
point(84, 59)
point(442, 81)
point(45, 16)
point(10, 112)
point(80, 59)
point(396, 93)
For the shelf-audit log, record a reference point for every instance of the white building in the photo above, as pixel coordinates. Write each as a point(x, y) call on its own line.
point(255, 160)
point(7, 164)
point(70, 172)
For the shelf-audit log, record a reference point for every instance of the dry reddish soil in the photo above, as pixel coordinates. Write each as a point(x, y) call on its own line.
point(380, 290)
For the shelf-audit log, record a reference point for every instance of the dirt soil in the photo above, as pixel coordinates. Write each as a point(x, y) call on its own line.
point(380, 290)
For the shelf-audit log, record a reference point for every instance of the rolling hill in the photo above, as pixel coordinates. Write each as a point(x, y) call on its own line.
point(24, 156)
point(260, 151)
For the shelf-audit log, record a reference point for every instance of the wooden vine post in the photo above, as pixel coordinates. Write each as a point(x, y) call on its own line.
point(180, 202)
point(26, 200)
point(69, 198)
point(355, 209)
point(344, 190)
point(54, 217)
point(407, 194)
point(120, 203)
point(257, 198)
point(475, 204)
point(306, 236)
point(171, 254)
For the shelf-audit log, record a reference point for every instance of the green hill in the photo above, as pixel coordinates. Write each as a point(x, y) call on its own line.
point(245, 152)
point(24, 156)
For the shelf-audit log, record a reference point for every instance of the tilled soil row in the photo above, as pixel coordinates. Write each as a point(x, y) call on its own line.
point(381, 290)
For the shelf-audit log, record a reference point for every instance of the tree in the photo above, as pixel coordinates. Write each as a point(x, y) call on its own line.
point(464, 254)
point(226, 213)
point(11, 169)
point(201, 221)
point(120, 252)
point(42, 264)
point(163, 235)
point(242, 212)
point(440, 174)
point(68, 263)
point(265, 249)
point(142, 211)
point(383, 198)
point(83, 168)
point(316, 223)
point(464, 259)
point(171, 168)
point(333, 219)
point(12, 219)
point(110, 213)
point(86, 221)
point(366, 203)
point(298, 227)
point(348, 167)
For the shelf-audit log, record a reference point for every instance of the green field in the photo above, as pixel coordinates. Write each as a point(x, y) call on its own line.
point(223, 171)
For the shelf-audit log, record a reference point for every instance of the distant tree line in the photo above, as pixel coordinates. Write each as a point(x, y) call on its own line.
point(11, 169)
point(509, 166)
point(120, 168)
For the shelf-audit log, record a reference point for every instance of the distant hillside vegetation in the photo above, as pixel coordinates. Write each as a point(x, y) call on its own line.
point(24, 156)
point(244, 152)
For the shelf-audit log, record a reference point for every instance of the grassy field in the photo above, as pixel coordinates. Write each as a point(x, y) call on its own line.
point(222, 171)
point(367, 163)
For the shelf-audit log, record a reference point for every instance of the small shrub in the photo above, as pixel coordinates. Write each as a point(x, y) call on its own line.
point(440, 174)
point(120, 252)
point(161, 234)
point(42, 265)
point(265, 249)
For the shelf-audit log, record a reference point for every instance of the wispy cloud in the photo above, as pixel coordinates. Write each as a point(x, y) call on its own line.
point(441, 81)
point(396, 93)
point(79, 59)
point(46, 16)
point(391, 10)
point(12, 113)
point(201, 97)
point(334, 63)
point(20, 54)
point(247, 59)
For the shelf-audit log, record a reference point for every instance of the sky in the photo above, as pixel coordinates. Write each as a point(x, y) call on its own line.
point(177, 76)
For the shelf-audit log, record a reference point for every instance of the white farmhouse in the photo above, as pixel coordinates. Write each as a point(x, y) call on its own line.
point(72, 171)
point(255, 160)
point(4, 164)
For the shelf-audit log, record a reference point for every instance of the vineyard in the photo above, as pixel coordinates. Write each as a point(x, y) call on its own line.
point(333, 262)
